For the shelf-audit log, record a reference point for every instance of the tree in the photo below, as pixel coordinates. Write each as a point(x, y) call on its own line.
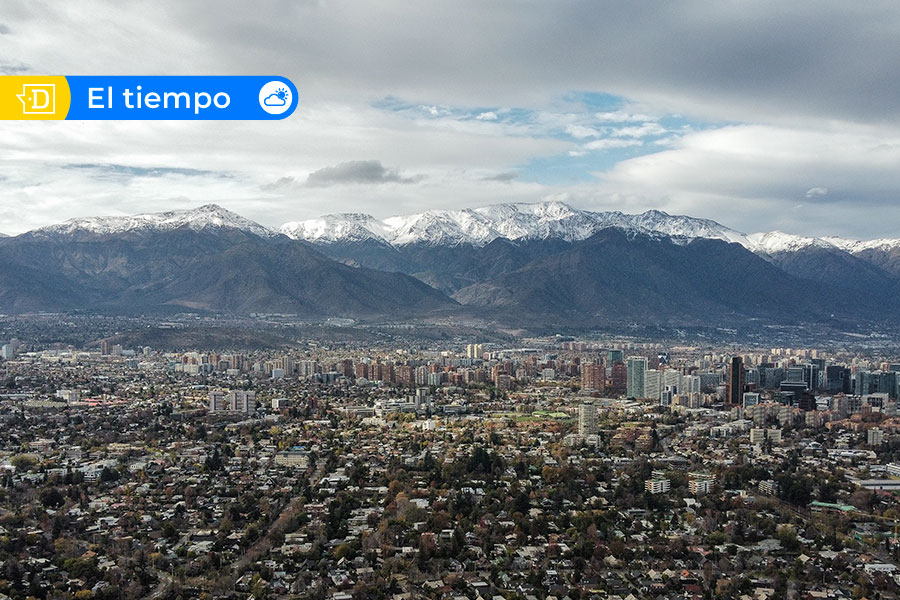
point(52, 498)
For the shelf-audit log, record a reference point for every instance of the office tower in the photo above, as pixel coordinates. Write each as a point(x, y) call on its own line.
point(618, 381)
point(837, 379)
point(735, 390)
point(690, 384)
point(105, 348)
point(614, 356)
point(671, 380)
point(587, 419)
point(637, 367)
point(652, 384)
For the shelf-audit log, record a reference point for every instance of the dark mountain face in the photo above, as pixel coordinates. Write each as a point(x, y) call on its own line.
point(842, 272)
point(616, 276)
point(447, 268)
point(225, 269)
point(886, 259)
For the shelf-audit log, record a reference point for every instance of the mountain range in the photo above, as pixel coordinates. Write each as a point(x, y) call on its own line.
point(525, 263)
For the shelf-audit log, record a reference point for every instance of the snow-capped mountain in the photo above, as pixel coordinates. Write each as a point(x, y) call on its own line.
point(206, 217)
point(480, 226)
point(777, 241)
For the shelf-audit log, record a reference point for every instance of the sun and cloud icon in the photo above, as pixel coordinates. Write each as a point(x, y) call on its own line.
point(275, 98)
point(279, 98)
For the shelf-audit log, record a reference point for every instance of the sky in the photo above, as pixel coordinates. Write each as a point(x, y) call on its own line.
point(761, 116)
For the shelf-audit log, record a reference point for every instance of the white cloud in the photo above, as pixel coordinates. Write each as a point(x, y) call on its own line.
point(622, 117)
point(639, 131)
point(608, 144)
point(816, 191)
point(487, 116)
point(581, 132)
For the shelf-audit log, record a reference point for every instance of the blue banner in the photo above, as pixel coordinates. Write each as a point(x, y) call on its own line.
point(182, 97)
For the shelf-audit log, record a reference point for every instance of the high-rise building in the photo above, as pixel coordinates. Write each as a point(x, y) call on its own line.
point(593, 377)
point(652, 384)
point(614, 356)
point(875, 437)
point(474, 351)
point(241, 401)
point(837, 379)
point(618, 380)
point(637, 368)
point(587, 419)
point(105, 348)
point(217, 401)
point(736, 382)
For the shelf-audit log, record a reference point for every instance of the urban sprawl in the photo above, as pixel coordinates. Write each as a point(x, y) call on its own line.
point(562, 469)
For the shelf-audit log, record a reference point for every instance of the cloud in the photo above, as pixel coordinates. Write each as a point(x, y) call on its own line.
point(622, 117)
point(639, 131)
point(791, 69)
point(502, 177)
point(4, 30)
point(581, 132)
point(816, 191)
point(357, 172)
point(274, 100)
point(129, 171)
point(608, 144)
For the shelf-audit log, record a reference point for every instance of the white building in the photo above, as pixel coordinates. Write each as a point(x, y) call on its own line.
point(658, 486)
point(587, 419)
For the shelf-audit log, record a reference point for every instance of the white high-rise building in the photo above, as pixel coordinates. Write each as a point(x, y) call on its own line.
point(637, 367)
point(671, 381)
point(241, 401)
point(652, 384)
point(587, 419)
point(217, 401)
point(690, 384)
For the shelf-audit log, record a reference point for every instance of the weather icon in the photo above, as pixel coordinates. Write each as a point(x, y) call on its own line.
point(279, 98)
point(275, 98)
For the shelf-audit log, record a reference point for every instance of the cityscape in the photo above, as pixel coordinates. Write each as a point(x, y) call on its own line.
point(559, 467)
point(449, 300)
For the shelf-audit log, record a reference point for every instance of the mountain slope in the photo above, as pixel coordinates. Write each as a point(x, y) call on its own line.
point(207, 258)
point(616, 275)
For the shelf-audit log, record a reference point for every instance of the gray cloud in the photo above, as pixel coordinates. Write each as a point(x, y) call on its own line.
point(128, 171)
point(502, 177)
point(4, 29)
point(356, 172)
point(817, 76)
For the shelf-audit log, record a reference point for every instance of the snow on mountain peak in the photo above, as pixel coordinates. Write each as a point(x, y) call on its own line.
point(210, 216)
point(514, 221)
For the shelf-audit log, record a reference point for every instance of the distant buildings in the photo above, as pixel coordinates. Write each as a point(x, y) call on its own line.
point(68, 396)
